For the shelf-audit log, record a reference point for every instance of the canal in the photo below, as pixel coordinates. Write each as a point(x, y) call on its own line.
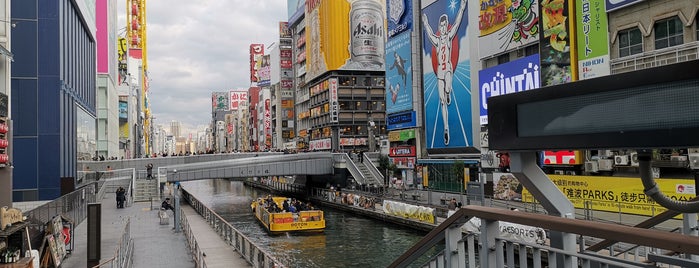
point(348, 241)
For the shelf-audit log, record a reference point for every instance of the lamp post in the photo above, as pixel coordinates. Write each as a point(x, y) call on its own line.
point(372, 140)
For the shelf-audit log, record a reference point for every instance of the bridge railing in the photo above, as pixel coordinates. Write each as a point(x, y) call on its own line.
point(123, 254)
point(253, 254)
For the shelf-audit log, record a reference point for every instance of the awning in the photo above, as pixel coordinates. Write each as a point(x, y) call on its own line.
point(445, 161)
point(6, 52)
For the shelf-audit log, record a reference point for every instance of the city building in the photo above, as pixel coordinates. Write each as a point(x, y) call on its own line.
point(107, 95)
point(54, 95)
point(5, 99)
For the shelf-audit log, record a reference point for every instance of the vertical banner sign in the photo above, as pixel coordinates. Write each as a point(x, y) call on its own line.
point(399, 79)
point(268, 123)
point(256, 52)
point(555, 43)
point(446, 75)
point(506, 24)
point(334, 104)
point(400, 16)
point(511, 77)
point(284, 31)
point(220, 101)
point(123, 67)
point(593, 48)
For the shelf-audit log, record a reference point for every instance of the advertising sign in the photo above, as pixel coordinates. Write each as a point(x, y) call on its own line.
point(263, 73)
point(123, 110)
point(555, 43)
point(401, 120)
point(324, 144)
point(446, 75)
point(334, 104)
point(256, 52)
point(617, 4)
point(284, 31)
point(515, 76)
point(332, 44)
point(122, 48)
point(618, 194)
point(593, 43)
point(506, 24)
point(401, 151)
point(238, 98)
point(506, 187)
point(401, 135)
point(399, 79)
point(219, 101)
point(400, 16)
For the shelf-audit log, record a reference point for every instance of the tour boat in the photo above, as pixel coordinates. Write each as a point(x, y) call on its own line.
point(282, 222)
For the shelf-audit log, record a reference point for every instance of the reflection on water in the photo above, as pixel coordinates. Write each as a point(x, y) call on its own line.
point(348, 240)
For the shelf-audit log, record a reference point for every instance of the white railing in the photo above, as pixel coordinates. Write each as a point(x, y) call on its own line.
point(655, 58)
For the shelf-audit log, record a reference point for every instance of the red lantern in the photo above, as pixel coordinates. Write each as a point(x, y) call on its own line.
point(134, 24)
point(134, 9)
point(3, 128)
point(3, 144)
point(4, 158)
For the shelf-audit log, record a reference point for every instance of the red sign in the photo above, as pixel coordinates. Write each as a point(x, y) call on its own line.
point(403, 162)
point(285, 54)
point(559, 157)
point(256, 52)
point(285, 64)
point(401, 151)
point(287, 84)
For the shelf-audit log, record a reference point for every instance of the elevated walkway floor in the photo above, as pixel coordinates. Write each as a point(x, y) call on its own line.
point(155, 245)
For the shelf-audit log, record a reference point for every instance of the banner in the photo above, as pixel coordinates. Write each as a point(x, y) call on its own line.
point(333, 44)
point(593, 42)
point(123, 110)
point(284, 31)
point(618, 194)
point(420, 213)
point(515, 76)
point(334, 104)
point(446, 75)
point(555, 43)
point(400, 16)
point(256, 52)
point(399, 79)
point(506, 25)
point(264, 72)
point(238, 98)
point(219, 101)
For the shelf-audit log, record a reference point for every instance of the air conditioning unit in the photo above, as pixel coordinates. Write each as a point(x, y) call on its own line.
point(621, 160)
point(559, 172)
point(694, 161)
point(678, 158)
point(605, 153)
point(605, 164)
point(634, 159)
point(591, 166)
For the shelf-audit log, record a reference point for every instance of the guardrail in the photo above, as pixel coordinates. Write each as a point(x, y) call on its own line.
point(123, 254)
point(197, 253)
point(252, 253)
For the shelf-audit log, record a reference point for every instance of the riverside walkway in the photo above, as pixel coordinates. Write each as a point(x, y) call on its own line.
point(155, 245)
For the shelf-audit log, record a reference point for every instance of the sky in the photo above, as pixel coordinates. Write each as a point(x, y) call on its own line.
point(199, 47)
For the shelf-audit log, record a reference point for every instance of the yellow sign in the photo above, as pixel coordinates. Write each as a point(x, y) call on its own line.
point(617, 194)
point(344, 35)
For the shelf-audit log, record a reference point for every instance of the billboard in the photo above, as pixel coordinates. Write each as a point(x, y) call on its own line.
point(446, 75)
point(618, 194)
point(237, 99)
point(400, 16)
point(122, 48)
point(123, 110)
point(256, 52)
point(515, 76)
point(505, 25)
point(555, 43)
point(284, 31)
point(333, 44)
point(593, 42)
point(264, 72)
point(334, 103)
point(219, 101)
point(399, 79)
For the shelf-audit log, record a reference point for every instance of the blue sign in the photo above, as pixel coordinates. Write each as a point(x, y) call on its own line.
point(447, 75)
point(617, 4)
point(401, 120)
point(511, 77)
point(123, 110)
point(399, 69)
point(400, 16)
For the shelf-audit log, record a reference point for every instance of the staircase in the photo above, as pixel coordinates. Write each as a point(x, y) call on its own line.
point(145, 189)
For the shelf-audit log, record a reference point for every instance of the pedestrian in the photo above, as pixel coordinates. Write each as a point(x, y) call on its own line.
point(166, 205)
point(149, 171)
point(120, 197)
point(361, 156)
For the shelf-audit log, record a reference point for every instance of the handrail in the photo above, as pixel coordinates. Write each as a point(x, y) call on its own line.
point(378, 177)
point(123, 253)
point(352, 168)
point(251, 252)
point(197, 253)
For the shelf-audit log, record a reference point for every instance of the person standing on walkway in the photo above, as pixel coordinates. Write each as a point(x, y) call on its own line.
point(149, 171)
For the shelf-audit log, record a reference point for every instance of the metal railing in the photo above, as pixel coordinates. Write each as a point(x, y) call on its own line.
point(123, 254)
point(252, 253)
point(378, 177)
point(197, 253)
point(670, 55)
point(72, 206)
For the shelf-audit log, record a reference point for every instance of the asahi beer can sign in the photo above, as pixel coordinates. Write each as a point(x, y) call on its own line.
point(367, 33)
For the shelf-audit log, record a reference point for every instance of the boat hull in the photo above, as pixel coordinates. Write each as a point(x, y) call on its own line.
point(283, 222)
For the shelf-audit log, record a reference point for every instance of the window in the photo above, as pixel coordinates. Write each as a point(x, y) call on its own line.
point(531, 50)
point(504, 58)
point(668, 33)
point(630, 42)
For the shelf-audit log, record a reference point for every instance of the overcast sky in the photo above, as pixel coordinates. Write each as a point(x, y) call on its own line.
point(198, 47)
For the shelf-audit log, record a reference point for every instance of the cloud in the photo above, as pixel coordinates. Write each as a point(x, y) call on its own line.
point(198, 47)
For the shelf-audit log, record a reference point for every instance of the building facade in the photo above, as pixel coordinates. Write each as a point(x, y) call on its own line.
point(107, 95)
point(54, 96)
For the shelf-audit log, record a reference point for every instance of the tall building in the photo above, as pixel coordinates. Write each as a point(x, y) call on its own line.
point(176, 128)
point(54, 96)
point(281, 80)
point(107, 95)
point(5, 97)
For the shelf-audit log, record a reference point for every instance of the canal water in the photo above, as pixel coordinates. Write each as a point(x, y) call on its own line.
point(348, 241)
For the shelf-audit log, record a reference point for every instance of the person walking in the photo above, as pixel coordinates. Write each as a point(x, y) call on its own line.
point(149, 171)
